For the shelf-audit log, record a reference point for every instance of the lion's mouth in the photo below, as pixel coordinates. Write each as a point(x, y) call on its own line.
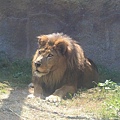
point(39, 73)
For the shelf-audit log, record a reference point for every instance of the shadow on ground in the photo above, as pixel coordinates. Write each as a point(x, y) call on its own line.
point(15, 105)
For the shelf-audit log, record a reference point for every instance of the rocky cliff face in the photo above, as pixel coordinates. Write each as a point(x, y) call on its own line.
point(94, 23)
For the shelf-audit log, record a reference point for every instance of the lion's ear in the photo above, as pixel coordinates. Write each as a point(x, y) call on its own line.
point(39, 40)
point(61, 47)
point(42, 40)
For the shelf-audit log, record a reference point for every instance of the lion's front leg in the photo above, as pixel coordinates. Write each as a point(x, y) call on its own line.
point(60, 93)
point(37, 91)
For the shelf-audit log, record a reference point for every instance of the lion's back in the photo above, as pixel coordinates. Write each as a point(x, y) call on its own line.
point(90, 76)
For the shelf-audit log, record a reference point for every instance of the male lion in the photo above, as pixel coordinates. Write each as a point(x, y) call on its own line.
point(59, 67)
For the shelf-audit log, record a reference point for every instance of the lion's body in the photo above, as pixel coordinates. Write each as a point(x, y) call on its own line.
point(67, 69)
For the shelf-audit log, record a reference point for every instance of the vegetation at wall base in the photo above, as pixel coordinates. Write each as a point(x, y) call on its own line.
point(16, 73)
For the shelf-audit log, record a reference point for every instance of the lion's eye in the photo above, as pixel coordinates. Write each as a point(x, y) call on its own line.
point(49, 55)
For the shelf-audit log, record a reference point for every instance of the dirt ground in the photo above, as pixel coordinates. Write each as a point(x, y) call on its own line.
point(14, 105)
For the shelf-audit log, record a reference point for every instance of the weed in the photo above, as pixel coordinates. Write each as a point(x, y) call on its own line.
point(68, 96)
point(3, 87)
point(107, 85)
point(111, 92)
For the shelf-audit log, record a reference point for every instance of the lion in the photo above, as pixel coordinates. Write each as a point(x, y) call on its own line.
point(60, 66)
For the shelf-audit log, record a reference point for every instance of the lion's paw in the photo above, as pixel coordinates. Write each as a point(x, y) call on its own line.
point(30, 96)
point(53, 98)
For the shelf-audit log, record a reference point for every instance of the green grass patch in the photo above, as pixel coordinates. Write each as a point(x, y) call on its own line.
point(3, 87)
point(111, 105)
point(17, 73)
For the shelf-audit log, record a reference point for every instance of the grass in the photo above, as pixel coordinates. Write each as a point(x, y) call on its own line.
point(111, 105)
point(17, 73)
point(3, 87)
point(103, 101)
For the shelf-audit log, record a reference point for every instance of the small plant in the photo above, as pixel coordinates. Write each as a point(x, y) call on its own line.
point(112, 104)
point(108, 85)
point(3, 87)
point(111, 92)
point(68, 96)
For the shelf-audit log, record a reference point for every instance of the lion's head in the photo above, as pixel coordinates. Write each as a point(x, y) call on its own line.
point(55, 50)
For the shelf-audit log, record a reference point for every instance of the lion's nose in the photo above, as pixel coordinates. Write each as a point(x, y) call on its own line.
point(38, 64)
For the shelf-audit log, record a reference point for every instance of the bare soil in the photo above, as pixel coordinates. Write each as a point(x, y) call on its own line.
point(14, 105)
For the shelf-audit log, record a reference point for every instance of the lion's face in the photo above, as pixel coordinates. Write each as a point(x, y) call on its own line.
point(49, 57)
point(46, 61)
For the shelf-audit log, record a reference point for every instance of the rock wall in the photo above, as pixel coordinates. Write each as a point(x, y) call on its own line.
point(94, 23)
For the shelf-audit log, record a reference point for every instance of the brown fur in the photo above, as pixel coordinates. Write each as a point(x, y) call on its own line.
point(62, 67)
